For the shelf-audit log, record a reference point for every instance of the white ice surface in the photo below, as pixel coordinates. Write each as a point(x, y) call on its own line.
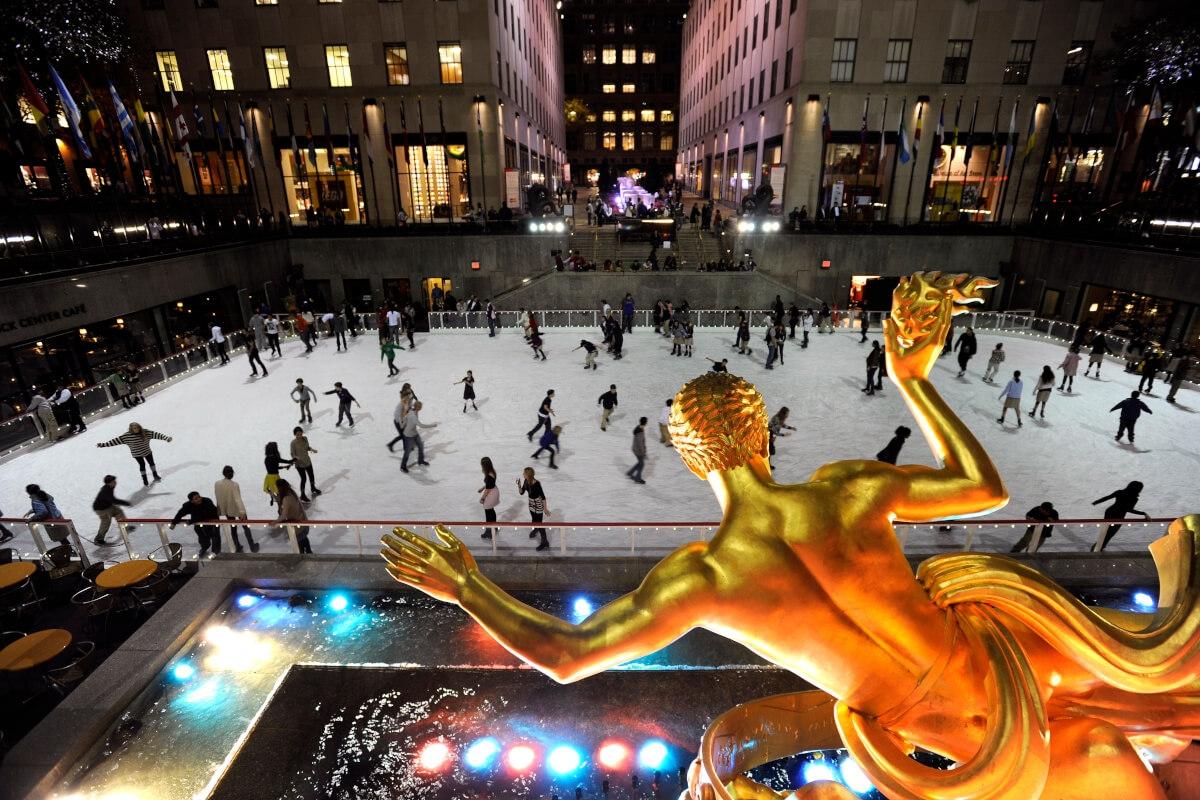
point(222, 416)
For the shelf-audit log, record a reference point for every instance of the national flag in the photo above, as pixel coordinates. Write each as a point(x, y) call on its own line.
point(403, 132)
point(312, 142)
point(350, 138)
point(970, 139)
point(366, 134)
point(389, 149)
point(954, 136)
point(142, 119)
point(199, 116)
point(906, 147)
point(71, 110)
point(1031, 134)
point(1087, 120)
point(421, 130)
point(916, 143)
point(883, 128)
point(296, 157)
point(247, 141)
point(1156, 107)
point(1126, 123)
point(183, 129)
point(862, 135)
point(97, 128)
point(826, 128)
point(939, 133)
point(1012, 135)
point(328, 139)
point(128, 129)
point(37, 104)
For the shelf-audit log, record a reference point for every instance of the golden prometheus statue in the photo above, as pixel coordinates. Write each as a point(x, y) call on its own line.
point(978, 657)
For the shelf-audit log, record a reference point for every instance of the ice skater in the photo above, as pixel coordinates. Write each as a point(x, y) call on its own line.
point(891, 451)
point(966, 347)
point(202, 513)
point(1131, 409)
point(137, 439)
point(255, 359)
point(291, 510)
point(777, 427)
point(219, 342)
point(995, 359)
point(1041, 393)
point(609, 401)
point(772, 346)
point(345, 399)
point(1124, 503)
point(545, 412)
point(387, 351)
point(1040, 515)
point(271, 328)
point(305, 397)
point(638, 448)
point(689, 333)
point(1012, 398)
point(1096, 359)
point(1070, 367)
point(806, 324)
point(874, 360)
point(538, 507)
point(339, 333)
point(108, 507)
point(468, 383)
point(1179, 376)
point(589, 349)
point(549, 443)
point(535, 343)
point(228, 496)
point(664, 419)
point(720, 366)
point(743, 338)
point(301, 458)
point(1150, 366)
point(489, 495)
point(412, 436)
point(272, 463)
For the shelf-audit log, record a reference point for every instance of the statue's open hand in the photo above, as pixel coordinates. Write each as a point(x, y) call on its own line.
point(440, 569)
point(922, 307)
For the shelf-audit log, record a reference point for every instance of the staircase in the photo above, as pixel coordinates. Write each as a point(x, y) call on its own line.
point(598, 244)
point(694, 247)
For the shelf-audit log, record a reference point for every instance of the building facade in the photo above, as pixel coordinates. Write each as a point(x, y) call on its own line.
point(905, 111)
point(621, 67)
point(363, 107)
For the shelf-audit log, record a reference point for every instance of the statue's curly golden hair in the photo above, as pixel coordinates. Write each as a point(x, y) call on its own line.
point(718, 421)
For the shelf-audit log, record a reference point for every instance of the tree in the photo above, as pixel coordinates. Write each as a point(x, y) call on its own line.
point(64, 32)
point(1162, 50)
point(575, 111)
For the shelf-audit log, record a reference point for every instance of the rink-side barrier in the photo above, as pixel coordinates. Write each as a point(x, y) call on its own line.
point(152, 537)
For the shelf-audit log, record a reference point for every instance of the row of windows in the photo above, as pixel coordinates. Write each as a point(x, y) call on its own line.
point(957, 61)
point(608, 140)
point(630, 115)
point(727, 107)
point(337, 61)
point(629, 55)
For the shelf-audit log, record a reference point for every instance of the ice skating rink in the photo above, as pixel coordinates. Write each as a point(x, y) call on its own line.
point(223, 416)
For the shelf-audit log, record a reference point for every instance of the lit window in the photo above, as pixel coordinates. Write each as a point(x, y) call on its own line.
point(168, 70)
point(278, 74)
point(609, 55)
point(589, 55)
point(1020, 55)
point(609, 116)
point(266, 2)
point(450, 57)
point(589, 118)
point(841, 68)
point(895, 68)
point(627, 140)
point(222, 74)
point(628, 88)
point(628, 115)
point(666, 115)
point(330, 1)
point(610, 140)
point(337, 59)
point(666, 142)
point(648, 56)
point(609, 88)
point(628, 55)
point(396, 56)
point(648, 115)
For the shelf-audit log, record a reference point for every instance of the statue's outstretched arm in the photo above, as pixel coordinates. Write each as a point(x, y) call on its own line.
point(967, 482)
point(672, 599)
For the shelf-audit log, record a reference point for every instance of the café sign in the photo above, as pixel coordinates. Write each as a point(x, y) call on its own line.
point(34, 320)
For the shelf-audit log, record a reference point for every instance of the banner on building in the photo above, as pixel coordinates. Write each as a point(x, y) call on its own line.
point(778, 176)
point(837, 193)
point(512, 188)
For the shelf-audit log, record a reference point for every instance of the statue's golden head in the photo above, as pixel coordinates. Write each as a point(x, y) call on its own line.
point(718, 422)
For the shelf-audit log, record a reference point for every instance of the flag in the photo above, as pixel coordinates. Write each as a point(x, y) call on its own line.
point(826, 128)
point(916, 143)
point(97, 128)
point(970, 139)
point(883, 129)
point(350, 138)
point(939, 133)
point(389, 149)
point(1012, 135)
point(199, 115)
point(421, 130)
point(1156, 107)
point(328, 139)
point(312, 143)
point(862, 134)
point(183, 130)
point(366, 134)
point(1031, 134)
point(296, 157)
point(403, 132)
point(143, 119)
point(906, 148)
point(954, 136)
point(11, 131)
point(247, 142)
point(37, 104)
point(1087, 121)
point(128, 130)
point(1126, 123)
point(71, 110)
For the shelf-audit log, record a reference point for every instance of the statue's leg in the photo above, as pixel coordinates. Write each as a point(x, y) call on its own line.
point(1089, 757)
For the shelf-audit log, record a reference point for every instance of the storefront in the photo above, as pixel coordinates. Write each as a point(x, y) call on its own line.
point(1128, 314)
point(856, 178)
point(967, 182)
point(435, 177)
point(323, 187)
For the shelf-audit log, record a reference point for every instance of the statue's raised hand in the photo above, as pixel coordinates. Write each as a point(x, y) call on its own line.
point(922, 307)
point(440, 569)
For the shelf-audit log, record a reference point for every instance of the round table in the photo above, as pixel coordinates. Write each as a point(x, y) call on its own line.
point(34, 650)
point(15, 573)
point(126, 574)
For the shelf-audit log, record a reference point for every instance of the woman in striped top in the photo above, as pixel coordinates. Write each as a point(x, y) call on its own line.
point(138, 442)
point(537, 505)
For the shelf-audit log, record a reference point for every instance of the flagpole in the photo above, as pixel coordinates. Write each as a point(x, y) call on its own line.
point(916, 152)
point(862, 152)
point(821, 201)
point(256, 143)
point(879, 156)
point(1025, 160)
point(216, 122)
point(987, 165)
point(390, 151)
point(482, 161)
point(285, 203)
point(967, 157)
point(245, 169)
point(1005, 172)
point(425, 158)
point(360, 179)
point(1118, 149)
point(895, 159)
point(950, 163)
point(1044, 160)
point(927, 192)
point(366, 127)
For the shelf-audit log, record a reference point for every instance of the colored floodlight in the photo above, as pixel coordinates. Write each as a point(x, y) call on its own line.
point(652, 755)
point(247, 600)
point(1144, 600)
point(818, 771)
point(183, 671)
point(613, 755)
point(339, 602)
point(434, 756)
point(563, 760)
point(854, 777)
point(520, 758)
point(482, 753)
point(581, 609)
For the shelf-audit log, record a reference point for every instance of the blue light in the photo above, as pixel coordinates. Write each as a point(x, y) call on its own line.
point(854, 777)
point(339, 602)
point(563, 760)
point(247, 600)
point(581, 609)
point(183, 671)
point(203, 694)
point(482, 753)
point(1144, 600)
point(818, 771)
point(652, 755)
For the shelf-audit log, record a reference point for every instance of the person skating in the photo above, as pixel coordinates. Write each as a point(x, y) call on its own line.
point(639, 452)
point(609, 401)
point(780, 341)
point(137, 439)
point(793, 320)
point(108, 507)
point(874, 359)
point(272, 462)
point(219, 343)
point(627, 309)
point(1040, 515)
point(305, 397)
point(1070, 367)
point(543, 414)
point(1012, 398)
point(677, 336)
point(1150, 366)
point(412, 436)
point(271, 328)
point(339, 333)
point(204, 515)
point(1124, 503)
point(616, 341)
point(1041, 394)
point(468, 383)
point(664, 420)
point(891, 451)
point(228, 496)
point(1096, 359)
point(538, 507)
point(689, 333)
point(743, 338)
point(825, 319)
point(408, 320)
point(39, 406)
point(489, 495)
point(398, 419)
point(589, 349)
point(995, 359)
point(291, 510)
point(492, 317)
point(1179, 376)
point(720, 366)
point(776, 427)
point(806, 323)
point(387, 351)
point(535, 343)
point(966, 347)
point(344, 400)
point(42, 508)
point(772, 346)
point(255, 359)
point(864, 323)
point(1131, 409)
point(65, 399)
point(549, 443)
point(300, 450)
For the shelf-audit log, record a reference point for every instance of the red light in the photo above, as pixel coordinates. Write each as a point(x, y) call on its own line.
point(613, 755)
point(434, 756)
point(475, 265)
point(520, 758)
point(826, 264)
